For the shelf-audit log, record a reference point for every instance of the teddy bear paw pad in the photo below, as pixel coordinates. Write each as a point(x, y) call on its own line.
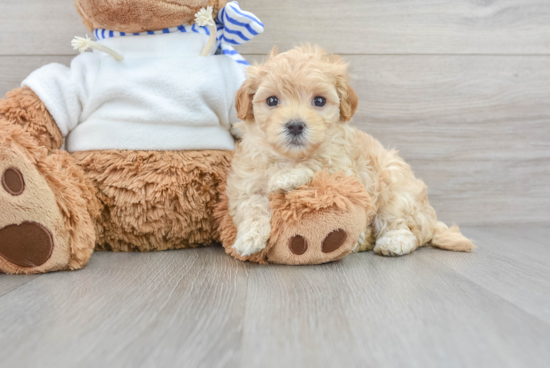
point(298, 245)
point(305, 247)
point(310, 241)
point(27, 245)
point(13, 182)
point(334, 241)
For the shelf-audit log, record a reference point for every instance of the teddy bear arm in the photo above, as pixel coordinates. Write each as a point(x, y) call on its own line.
point(23, 107)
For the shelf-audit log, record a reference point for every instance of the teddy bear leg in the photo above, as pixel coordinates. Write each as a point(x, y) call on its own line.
point(320, 222)
point(321, 236)
point(155, 200)
point(47, 206)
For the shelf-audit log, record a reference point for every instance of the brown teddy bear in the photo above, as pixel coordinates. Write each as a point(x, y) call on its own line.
point(126, 149)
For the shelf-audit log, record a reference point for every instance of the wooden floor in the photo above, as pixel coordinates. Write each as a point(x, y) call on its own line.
point(200, 308)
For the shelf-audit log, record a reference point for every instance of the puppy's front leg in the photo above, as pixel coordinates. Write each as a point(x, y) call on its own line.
point(288, 179)
point(253, 219)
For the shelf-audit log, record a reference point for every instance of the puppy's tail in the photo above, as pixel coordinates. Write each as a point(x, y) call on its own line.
point(451, 239)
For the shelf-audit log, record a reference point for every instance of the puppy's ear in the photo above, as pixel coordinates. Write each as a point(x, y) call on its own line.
point(243, 102)
point(245, 95)
point(348, 103)
point(348, 97)
point(274, 52)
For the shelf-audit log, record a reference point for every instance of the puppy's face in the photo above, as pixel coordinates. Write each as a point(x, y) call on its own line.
point(295, 98)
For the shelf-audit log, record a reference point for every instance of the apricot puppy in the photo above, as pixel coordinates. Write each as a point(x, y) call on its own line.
point(295, 109)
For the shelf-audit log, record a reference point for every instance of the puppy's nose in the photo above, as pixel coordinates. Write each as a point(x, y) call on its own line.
point(295, 127)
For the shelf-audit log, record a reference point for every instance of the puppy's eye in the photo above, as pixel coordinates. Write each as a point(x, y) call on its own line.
point(319, 101)
point(272, 101)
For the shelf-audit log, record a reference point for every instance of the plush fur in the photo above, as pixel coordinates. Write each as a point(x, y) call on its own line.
point(313, 211)
point(155, 200)
point(112, 200)
point(22, 107)
point(271, 160)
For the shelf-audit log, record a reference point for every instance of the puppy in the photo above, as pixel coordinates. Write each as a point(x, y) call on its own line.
point(295, 110)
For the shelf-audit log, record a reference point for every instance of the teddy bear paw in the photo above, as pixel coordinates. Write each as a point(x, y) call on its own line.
point(27, 244)
point(34, 237)
point(305, 247)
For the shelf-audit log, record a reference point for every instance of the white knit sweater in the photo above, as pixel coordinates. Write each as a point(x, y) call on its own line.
point(162, 96)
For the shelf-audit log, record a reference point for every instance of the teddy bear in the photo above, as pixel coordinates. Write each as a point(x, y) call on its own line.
point(126, 149)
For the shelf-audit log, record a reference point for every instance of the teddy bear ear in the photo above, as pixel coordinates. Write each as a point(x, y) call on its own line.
point(87, 23)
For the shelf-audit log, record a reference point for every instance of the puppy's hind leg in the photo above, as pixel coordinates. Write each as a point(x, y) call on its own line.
point(366, 241)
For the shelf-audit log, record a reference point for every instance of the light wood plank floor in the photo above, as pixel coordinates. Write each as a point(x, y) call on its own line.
point(200, 308)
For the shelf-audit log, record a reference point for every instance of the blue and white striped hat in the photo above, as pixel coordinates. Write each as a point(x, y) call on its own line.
point(234, 27)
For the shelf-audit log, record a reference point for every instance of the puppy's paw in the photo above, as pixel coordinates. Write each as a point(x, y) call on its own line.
point(249, 244)
point(287, 180)
point(252, 238)
point(396, 243)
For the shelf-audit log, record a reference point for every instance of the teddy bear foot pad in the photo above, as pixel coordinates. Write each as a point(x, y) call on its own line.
point(26, 245)
point(308, 242)
point(334, 246)
point(298, 244)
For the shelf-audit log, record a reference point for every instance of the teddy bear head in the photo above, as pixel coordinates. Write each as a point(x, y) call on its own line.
point(134, 16)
